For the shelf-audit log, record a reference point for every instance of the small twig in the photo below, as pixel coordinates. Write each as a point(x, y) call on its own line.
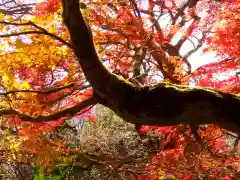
point(30, 23)
point(38, 91)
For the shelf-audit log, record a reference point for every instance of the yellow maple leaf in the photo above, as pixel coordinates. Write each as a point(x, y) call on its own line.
point(2, 47)
point(33, 48)
point(19, 44)
point(9, 138)
point(10, 80)
point(52, 29)
point(53, 67)
point(1, 16)
point(13, 146)
point(5, 77)
point(25, 85)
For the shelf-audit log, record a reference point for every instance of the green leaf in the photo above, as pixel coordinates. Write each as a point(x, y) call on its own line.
point(64, 164)
point(38, 173)
point(52, 178)
point(56, 171)
point(38, 177)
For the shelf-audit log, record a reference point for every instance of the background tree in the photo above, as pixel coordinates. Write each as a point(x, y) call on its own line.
point(133, 46)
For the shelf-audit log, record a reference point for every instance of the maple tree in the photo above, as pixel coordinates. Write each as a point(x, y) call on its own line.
point(59, 58)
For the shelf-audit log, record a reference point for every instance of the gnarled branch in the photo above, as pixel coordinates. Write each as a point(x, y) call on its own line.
point(165, 104)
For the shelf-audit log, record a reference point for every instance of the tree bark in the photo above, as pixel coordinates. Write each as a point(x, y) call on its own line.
point(164, 104)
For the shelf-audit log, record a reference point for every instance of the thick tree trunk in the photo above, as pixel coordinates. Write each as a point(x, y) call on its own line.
point(165, 104)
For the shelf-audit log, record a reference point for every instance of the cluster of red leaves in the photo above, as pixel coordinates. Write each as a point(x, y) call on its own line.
point(219, 75)
point(177, 143)
point(169, 133)
point(34, 126)
point(226, 37)
point(116, 29)
point(117, 34)
point(46, 7)
point(182, 157)
point(177, 147)
point(180, 150)
point(47, 100)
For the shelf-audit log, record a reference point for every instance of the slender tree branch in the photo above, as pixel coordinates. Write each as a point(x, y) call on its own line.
point(187, 4)
point(165, 74)
point(64, 95)
point(42, 31)
point(236, 143)
point(134, 4)
point(21, 33)
point(66, 112)
point(50, 34)
point(47, 91)
point(15, 24)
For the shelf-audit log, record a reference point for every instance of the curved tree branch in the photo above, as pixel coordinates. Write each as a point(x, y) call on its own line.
point(50, 102)
point(47, 91)
point(66, 112)
point(164, 104)
point(42, 31)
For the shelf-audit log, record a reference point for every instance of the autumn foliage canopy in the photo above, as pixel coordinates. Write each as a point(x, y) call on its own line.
point(145, 42)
